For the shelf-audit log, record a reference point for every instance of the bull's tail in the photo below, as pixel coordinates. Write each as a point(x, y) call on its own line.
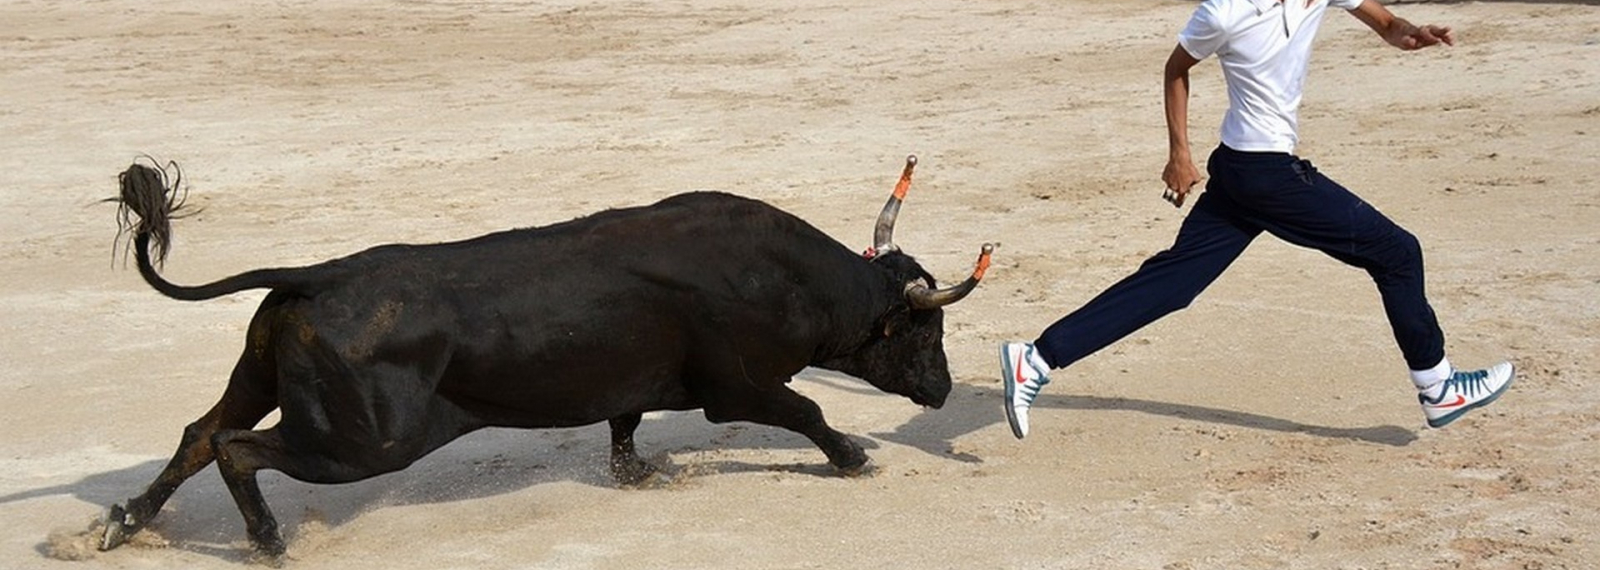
point(148, 202)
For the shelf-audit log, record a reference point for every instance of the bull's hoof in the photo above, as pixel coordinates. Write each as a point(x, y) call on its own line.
point(634, 473)
point(266, 559)
point(117, 529)
point(863, 469)
point(269, 552)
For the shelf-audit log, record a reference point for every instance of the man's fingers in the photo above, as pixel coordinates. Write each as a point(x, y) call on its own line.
point(1433, 35)
point(1445, 35)
point(1173, 197)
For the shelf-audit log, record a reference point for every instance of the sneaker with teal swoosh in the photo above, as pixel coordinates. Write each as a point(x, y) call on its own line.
point(1464, 391)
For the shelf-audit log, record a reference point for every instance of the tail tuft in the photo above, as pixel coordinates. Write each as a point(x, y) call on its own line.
point(150, 198)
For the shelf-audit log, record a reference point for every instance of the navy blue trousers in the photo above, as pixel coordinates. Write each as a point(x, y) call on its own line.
point(1249, 192)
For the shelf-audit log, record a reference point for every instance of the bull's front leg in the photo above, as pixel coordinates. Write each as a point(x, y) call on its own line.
point(782, 407)
point(626, 467)
point(844, 453)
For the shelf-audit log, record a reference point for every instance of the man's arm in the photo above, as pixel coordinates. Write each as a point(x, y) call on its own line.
point(1180, 174)
point(1399, 32)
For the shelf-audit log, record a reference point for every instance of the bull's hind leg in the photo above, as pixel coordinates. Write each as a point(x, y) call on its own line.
point(250, 396)
point(240, 454)
point(626, 467)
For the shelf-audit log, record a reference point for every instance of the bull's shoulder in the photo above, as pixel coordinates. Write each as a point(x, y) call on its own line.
point(691, 216)
point(715, 202)
point(738, 212)
point(704, 198)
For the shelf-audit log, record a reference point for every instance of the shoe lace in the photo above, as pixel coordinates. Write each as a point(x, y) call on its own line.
point(1469, 382)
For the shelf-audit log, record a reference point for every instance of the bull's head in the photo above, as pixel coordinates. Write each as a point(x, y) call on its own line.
point(906, 354)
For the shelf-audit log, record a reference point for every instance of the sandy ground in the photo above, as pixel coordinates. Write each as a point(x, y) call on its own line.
point(1270, 425)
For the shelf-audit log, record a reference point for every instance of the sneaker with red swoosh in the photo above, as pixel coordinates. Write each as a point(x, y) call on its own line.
point(1464, 391)
point(1023, 372)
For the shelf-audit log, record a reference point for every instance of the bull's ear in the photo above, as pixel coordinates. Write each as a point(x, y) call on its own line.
point(897, 317)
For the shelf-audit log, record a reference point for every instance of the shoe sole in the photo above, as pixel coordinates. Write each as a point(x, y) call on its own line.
point(1445, 420)
point(1008, 372)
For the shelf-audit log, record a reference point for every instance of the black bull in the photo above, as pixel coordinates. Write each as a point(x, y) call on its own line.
point(700, 301)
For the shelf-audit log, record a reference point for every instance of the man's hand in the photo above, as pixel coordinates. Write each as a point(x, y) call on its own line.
point(1409, 37)
point(1180, 177)
point(1397, 31)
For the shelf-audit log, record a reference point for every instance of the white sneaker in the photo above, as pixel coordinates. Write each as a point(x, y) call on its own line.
point(1464, 391)
point(1023, 372)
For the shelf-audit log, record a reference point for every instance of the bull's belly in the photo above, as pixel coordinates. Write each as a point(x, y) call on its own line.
point(540, 397)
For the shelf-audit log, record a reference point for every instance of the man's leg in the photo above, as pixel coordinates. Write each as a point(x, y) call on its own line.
point(1209, 240)
point(1306, 208)
point(1303, 207)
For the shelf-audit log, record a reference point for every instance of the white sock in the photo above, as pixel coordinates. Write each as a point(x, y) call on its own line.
point(1430, 381)
point(1038, 362)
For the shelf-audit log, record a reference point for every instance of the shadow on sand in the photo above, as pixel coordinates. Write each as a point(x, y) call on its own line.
point(201, 517)
point(972, 408)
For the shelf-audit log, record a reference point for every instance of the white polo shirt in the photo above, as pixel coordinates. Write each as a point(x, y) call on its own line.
point(1264, 47)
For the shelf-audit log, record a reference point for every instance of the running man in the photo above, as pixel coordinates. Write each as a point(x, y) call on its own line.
point(1256, 184)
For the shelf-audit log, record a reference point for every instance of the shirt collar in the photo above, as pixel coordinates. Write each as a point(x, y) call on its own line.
point(1263, 5)
point(1293, 15)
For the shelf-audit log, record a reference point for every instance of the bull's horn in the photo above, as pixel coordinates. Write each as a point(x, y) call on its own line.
point(883, 233)
point(921, 297)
